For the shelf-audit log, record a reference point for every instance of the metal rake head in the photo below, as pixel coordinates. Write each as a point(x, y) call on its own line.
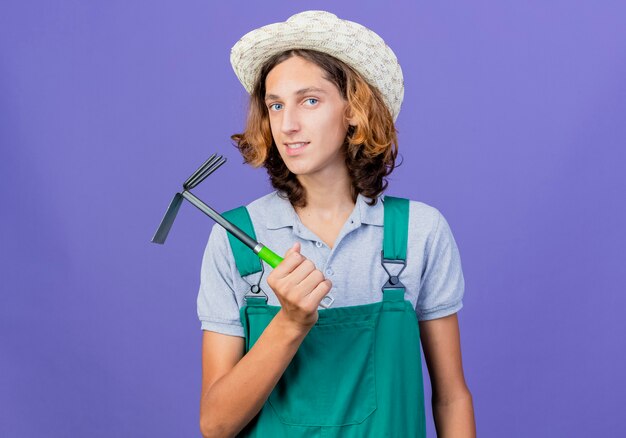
point(207, 168)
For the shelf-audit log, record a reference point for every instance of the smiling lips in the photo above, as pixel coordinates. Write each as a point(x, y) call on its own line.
point(295, 148)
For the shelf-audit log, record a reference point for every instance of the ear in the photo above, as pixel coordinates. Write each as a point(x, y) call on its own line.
point(351, 120)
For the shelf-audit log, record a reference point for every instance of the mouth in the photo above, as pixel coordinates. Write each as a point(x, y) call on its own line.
point(296, 148)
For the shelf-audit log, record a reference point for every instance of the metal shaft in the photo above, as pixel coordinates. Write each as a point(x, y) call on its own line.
point(234, 230)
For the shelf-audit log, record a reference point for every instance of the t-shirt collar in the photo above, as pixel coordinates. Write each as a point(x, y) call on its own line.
point(282, 214)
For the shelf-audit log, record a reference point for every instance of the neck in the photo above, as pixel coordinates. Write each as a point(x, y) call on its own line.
point(327, 198)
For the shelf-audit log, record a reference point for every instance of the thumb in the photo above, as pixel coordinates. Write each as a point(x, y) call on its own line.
point(294, 248)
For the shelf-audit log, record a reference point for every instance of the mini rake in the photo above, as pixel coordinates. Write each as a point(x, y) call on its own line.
point(207, 168)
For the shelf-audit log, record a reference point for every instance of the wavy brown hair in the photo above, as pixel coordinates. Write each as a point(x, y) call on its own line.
point(370, 147)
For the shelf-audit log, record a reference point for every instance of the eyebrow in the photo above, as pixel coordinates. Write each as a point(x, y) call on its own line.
point(298, 93)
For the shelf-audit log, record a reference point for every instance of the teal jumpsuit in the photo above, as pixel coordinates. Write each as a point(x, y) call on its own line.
point(358, 372)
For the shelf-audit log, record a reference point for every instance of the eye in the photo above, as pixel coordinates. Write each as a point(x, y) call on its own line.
point(272, 105)
point(312, 98)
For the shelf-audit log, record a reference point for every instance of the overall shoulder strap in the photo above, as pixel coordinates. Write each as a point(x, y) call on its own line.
point(396, 231)
point(246, 260)
point(396, 228)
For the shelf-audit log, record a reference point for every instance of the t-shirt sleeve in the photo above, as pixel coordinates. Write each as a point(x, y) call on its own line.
point(218, 310)
point(442, 285)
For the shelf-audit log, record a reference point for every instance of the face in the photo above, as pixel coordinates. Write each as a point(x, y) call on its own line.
point(304, 107)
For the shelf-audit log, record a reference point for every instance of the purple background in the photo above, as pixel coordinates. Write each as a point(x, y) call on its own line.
point(513, 125)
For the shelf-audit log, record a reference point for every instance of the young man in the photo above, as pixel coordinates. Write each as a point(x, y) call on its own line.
point(325, 93)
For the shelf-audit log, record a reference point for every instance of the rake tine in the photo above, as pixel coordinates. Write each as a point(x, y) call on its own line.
point(208, 171)
point(208, 162)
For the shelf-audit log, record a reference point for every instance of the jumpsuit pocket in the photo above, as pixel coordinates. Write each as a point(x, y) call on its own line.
point(331, 380)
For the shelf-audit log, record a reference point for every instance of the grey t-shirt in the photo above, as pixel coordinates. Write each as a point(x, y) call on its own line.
point(433, 276)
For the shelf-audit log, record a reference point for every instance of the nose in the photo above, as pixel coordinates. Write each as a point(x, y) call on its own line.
point(290, 122)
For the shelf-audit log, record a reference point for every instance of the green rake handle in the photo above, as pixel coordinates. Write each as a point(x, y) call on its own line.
point(269, 256)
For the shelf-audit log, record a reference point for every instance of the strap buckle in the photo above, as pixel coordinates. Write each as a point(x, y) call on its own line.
point(327, 301)
point(255, 289)
point(394, 280)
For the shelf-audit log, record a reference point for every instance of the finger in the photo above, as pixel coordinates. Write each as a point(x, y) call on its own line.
point(302, 272)
point(294, 248)
point(289, 263)
point(320, 291)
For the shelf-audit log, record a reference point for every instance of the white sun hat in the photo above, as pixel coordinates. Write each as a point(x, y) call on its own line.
point(356, 45)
